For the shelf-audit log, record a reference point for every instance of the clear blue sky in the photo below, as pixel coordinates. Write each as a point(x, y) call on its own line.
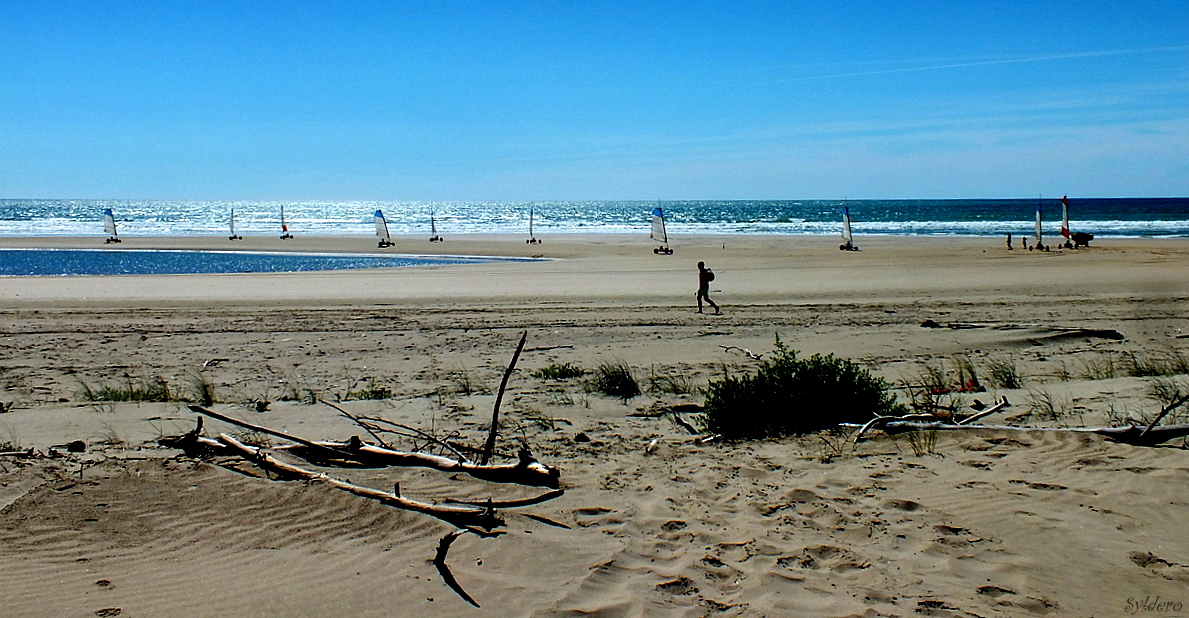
point(479, 100)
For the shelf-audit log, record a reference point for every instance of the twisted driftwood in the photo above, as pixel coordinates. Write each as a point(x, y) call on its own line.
point(463, 517)
point(526, 471)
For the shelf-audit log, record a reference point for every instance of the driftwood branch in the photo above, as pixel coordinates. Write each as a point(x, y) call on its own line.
point(526, 471)
point(1169, 408)
point(439, 561)
point(412, 432)
point(1130, 434)
point(499, 397)
point(509, 504)
point(273, 432)
point(677, 418)
point(483, 518)
point(999, 405)
point(548, 347)
point(357, 421)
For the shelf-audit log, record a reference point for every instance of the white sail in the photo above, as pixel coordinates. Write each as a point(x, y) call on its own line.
point(1037, 231)
point(382, 226)
point(530, 222)
point(109, 222)
point(658, 226)
point(1065, 216)
point(846, 233)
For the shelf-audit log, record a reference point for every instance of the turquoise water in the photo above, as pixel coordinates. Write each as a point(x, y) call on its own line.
point(58, 262)
point(1100, 216)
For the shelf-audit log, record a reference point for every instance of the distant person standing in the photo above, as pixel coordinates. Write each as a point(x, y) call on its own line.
point(1009, 247)
point(705, 276)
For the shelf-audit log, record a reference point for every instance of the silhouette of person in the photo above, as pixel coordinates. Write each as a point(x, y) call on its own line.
point(705, 276)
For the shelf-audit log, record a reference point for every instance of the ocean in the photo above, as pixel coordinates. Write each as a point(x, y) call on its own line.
point(1104, 217)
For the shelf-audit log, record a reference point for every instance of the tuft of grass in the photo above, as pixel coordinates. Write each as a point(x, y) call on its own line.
point(465, 385)
point(614, 379)
point(1004, 374)
point(673, 384)
point(790, 396)
point(202, 389)
point(1167, 390)
point(922, 442)
point(1100, 367)
point(1168, 364)
point(559, 371)
point(967, 376)
point(141, 390)
point(1046, 406)
point(833, 444)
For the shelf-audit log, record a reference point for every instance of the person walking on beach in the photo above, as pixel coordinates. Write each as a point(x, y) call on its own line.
point(705, 276)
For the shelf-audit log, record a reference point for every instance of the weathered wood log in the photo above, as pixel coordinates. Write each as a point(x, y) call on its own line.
point(483, 518)
point(527, 471)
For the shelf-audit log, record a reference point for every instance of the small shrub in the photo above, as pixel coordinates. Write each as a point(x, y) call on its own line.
point(789, 396)
point(562, 371)
point(614, 379)
point(371, 392)
point(1004, 373)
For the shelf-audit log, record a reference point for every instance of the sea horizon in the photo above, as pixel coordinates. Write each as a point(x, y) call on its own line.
point(1109, 217)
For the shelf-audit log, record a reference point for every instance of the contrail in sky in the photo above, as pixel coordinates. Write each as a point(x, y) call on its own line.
point(979, 63)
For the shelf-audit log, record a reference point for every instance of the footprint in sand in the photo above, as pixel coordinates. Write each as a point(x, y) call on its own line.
point(679, 586)
point(816, 557)
point(903, 505)
point(1160, 566)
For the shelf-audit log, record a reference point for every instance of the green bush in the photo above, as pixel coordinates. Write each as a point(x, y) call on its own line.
point(614, 379)
point(790, 396)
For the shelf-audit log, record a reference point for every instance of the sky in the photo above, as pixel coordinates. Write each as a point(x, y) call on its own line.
point(485, 100)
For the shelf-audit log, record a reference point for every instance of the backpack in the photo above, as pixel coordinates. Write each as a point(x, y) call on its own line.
point(709, 275)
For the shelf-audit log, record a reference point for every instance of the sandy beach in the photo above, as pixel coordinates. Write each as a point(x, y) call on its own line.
point(972, 523)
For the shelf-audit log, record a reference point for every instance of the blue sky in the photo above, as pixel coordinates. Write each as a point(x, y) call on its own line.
point(483, 100)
